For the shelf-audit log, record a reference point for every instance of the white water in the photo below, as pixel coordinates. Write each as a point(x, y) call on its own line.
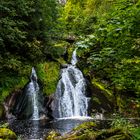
point(34, 90)
point(74, 58)
point(70, 99)
point(77, 118)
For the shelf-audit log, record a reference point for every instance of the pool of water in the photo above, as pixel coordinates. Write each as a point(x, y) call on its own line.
point(38, 129)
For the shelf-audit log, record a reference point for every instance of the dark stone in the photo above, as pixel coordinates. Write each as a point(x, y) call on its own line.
point(10, 103)
point(47, 104)
point(71, 39)
point(64, 66)
point(2, 112)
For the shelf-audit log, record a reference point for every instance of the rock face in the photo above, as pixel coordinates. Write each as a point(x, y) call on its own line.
point(10, 102)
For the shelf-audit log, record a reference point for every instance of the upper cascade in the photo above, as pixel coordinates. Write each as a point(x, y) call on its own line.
point(74, 58)
point(33, 76)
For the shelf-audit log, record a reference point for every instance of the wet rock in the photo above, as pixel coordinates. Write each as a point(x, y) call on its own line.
point(64, 65)
point(71, 39)
point(47, 105)
point(7, 134)
point(10, 103)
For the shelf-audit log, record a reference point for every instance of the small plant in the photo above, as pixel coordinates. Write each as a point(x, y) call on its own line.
point(121, 122)
point(136, 133)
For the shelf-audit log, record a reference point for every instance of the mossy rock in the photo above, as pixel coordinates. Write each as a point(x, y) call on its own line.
point(57, 50)
point(102, 99)
point(88, 131)
point(86, 125)
point(52, 135)
point(7, 134)
point(70, 50)
point(48, 73)
point(10, 83)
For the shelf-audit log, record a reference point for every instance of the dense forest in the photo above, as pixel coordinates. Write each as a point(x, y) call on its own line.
point(43, 35)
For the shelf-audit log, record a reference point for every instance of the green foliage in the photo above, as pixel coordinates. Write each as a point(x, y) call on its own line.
point(4, 125)
point(101, 87)
point(48, 73)
point(136, 133)
point(110, 50)
point(121, 122)
point(27, 27)
point(11, 83)
point(117, 52)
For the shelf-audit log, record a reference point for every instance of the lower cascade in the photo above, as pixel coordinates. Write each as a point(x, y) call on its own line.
point(30, 103)
point(69, 98)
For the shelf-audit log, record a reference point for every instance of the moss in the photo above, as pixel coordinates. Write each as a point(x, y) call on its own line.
point(7, 134)
point(61, 61)
point(70, 51)
point(86, 125)
point(12, 83)
point(48, 73)
point(120, 103)
point(95, 99)
point(88, 131)
point(57, 49)
point(101, 87)
point(52, 135)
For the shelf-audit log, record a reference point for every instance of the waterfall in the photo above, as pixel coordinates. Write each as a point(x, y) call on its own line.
point(35, 91)
point(69, 98)
point(29, 104)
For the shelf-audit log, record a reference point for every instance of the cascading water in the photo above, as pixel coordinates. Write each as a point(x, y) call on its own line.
point(34, 90)
point(70, 99)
